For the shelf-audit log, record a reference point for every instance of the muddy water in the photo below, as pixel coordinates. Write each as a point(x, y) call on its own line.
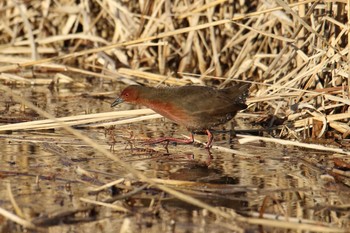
point(49, 171)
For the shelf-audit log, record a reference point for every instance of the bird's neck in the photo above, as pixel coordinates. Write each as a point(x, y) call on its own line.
point(150, 96)
point(154, 98)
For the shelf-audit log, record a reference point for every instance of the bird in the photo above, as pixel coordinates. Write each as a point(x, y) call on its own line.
point(198, 108)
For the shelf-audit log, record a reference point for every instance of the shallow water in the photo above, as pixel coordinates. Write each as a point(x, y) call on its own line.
point(49, 171)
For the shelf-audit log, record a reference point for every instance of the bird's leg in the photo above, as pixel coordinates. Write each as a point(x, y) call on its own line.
point(170, 139)
point(210, 139)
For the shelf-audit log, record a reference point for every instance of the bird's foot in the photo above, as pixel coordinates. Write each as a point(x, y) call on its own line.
point(168, 139)
point(208, 146)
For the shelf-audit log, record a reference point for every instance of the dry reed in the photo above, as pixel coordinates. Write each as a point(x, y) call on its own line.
point(296, 55)
point(289, 51)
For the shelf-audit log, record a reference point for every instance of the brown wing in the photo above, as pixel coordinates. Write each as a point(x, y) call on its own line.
point(199, 100)
point(207, 107)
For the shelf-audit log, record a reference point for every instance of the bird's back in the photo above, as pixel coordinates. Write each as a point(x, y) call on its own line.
point(198, 107)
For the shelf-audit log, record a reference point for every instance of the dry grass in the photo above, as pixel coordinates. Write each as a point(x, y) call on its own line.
point(296, 55)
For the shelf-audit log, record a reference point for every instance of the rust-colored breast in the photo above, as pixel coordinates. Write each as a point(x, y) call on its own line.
point(168, 110)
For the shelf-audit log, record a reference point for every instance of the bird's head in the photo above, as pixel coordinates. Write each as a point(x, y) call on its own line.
point(129, 94)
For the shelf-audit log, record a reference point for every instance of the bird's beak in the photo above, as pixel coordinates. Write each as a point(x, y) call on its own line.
point(117, 101)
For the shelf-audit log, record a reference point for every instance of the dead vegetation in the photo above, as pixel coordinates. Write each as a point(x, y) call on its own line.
point(295, 54)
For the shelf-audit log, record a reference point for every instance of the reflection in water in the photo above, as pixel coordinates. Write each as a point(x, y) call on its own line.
point(40, 165)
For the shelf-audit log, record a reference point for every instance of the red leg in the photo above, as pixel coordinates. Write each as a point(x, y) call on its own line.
point(170, 139)
point(210, 139)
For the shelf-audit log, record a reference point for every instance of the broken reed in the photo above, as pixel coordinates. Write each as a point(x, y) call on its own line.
point(290, 48)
